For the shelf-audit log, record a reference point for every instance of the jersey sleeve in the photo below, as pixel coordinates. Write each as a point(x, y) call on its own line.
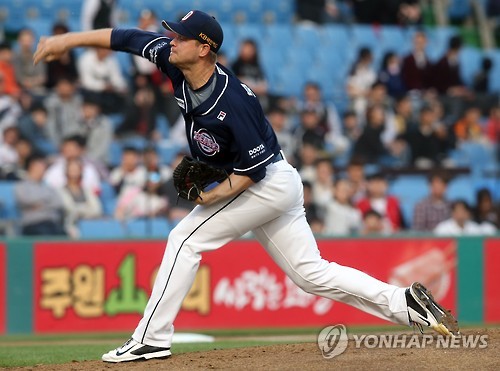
point(150, 45)
point(253, 138)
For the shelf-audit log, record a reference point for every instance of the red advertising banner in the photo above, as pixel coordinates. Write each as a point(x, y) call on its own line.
point(3, 293)
point(95, 286)
point(491, 280)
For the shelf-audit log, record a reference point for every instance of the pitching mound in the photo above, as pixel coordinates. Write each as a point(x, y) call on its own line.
point(307, 356)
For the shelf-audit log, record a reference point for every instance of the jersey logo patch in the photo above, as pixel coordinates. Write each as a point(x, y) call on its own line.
point(221, 116)
point(206, 142)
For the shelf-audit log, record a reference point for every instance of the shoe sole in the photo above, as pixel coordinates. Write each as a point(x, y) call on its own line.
point(446, 324)
point(143, 357)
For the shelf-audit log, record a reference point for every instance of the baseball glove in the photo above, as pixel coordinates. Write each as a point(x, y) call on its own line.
point(191, 177)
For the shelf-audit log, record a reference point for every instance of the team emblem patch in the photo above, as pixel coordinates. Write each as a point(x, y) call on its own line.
point(221, 116)
point(206, 142)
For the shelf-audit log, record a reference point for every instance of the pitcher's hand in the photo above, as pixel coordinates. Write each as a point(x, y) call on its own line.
point(50, 48)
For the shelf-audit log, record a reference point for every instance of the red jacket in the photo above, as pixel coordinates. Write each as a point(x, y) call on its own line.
point(392, 212)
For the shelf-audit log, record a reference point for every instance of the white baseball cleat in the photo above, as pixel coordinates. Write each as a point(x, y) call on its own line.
point(423, 310)
point(132, 351)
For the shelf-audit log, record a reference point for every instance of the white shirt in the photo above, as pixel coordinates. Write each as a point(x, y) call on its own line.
point(55, 176)
point(96, 75)
point(450, 227)
point(341, 219)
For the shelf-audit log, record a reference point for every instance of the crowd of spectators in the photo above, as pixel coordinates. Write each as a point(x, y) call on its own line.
point(58, 122)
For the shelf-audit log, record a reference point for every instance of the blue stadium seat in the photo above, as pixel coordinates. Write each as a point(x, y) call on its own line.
point(307, 37)
point(115, 153)
point(152, 228)
point(461, 187)
point(101, 228)
point(470, 63)
point(365, 35)
point(279, 35)
point(167, 151)
point(395, 39)
point(163, 126)
point(108, 199)
point(8, 205)
point(459, 9)
point(409, 189)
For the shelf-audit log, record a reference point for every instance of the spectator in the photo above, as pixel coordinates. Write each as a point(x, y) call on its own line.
point(18, 171)
point(98, 14)
point(40, 205)
point(352, 126)
point(308, 154)
point(7, 71)
point(461, 222)
point(65, 66)
point(134, 202)
point(386, 205)
point(323, 183)
point(8, 153)
point(482, 78)
point(130, 172)
point(356, 175)
point(72, 148)
point(96, 129)
point(493, 127)
point(403, 117)
point(279, 121)
point(435, 208)
point(446, 73)
point(416, 69)
point(369, 146)
point(33, 126)
point(153, 164)
point(148, 22)
point(248, 69)
point(468, 128)
point(486, 211)
point(140, 115)
point(311, 10)
point(31, 77)
point(373, 224)
point(313, 213)
point(79, 202)
point(391, 76)
point(64, 105)
point(329, 120)
point(341, 217)
point(100, 74)
point(361, 78)
point(424, 142)
point(10, 111)
point(310, 130)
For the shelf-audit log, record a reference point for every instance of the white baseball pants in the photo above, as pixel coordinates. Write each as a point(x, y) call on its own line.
point(273, 210)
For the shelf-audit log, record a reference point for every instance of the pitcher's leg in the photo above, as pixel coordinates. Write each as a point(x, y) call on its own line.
point(204, 229)
point(291, 244)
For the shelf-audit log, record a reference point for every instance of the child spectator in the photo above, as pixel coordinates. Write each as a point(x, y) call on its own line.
point(386, 205)
point(461, 222)
point(373, 224)
point(33, 126)
point(130, 172)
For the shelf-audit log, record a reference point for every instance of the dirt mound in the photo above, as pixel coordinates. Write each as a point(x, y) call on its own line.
point(307, 356)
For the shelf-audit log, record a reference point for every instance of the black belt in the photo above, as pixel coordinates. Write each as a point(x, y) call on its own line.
point(277, 157)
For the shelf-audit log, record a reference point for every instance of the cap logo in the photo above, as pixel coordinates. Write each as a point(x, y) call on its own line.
point(190, 13)
point(208, 40)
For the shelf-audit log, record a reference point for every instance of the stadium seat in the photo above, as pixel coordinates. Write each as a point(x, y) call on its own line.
point(461, 187)
point(108, 198)
point(101, 228)
point(8, 206)
point(470, 63)
point(409, 189)
point(152, 228)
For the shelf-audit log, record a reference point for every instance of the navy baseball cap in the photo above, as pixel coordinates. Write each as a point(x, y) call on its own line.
point(200, 26)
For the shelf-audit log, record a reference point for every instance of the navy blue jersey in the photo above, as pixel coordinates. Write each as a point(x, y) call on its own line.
point(229, 129)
